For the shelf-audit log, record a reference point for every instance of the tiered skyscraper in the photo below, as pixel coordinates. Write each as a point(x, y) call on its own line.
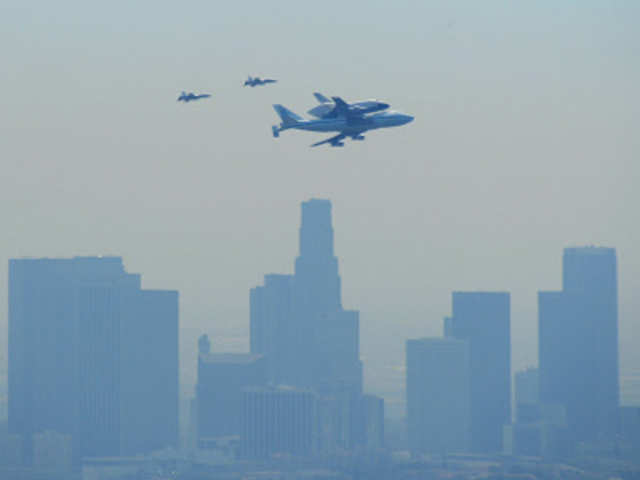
point(578, 343)
point(298, 323)
point(92, 355)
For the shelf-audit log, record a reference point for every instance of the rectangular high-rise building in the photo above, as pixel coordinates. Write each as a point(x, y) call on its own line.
point(92, 355)
point(483, 319)
point(438, 408)
point(578, 343)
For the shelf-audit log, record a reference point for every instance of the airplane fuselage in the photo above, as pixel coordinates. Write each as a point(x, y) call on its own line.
point(353, 126)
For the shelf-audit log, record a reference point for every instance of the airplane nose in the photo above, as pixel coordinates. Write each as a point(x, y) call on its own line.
point(408, 118)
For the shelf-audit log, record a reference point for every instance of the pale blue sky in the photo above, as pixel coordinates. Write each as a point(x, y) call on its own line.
point(525, 141)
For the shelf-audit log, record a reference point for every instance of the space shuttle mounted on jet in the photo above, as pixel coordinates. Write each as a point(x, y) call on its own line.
point(329, 109)
point(344, 118)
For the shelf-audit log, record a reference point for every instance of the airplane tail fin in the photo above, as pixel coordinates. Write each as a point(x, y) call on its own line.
point(287, 116)
point(321, 98)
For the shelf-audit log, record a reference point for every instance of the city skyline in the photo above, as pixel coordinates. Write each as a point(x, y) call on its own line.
point(91, 352)
point(522, 145)
point(184, 294)
point(390, 388)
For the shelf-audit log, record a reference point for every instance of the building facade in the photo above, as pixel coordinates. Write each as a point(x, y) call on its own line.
point(578, 343)
point(309, 340)
point(91, 355)
point(438, 395)
point(221, 380)
point(483, 319)
point(276, 421)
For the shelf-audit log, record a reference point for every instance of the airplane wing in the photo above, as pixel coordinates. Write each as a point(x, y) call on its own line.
point(334, 141)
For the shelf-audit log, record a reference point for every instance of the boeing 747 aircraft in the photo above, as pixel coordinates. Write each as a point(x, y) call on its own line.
point(330, 109)
point(187, 97)
point(346, 126)
point(257, 81)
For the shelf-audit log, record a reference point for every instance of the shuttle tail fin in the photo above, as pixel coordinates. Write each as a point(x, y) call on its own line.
point(321, 98)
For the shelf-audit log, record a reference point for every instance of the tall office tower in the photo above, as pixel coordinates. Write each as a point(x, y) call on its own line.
point(279, 420)
point(316, 268)
point(483, 318)
point(438, 409)
point(221, 379)
point(527, 396)
point(92, 355)
point(298, 322)
point(578, 343)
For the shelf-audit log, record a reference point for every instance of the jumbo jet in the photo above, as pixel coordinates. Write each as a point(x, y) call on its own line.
point(187, 97)
point(257, 81)
point(329, 109)
point(347, 126)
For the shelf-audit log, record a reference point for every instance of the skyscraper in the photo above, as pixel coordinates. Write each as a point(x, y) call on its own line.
point(578, 342)
point(438, 408)
point(93, 355)
point(483, 319)
point(298, 323)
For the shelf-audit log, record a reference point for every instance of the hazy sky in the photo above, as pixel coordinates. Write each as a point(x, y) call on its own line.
point(525, 141)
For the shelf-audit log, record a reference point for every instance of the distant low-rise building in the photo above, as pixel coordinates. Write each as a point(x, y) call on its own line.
point(221, 380)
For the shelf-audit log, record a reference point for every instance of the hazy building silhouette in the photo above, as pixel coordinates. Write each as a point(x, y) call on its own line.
point(373, 412)
point(438, 408)
point(483, 319)
point(630, 426)
point(309, 340)
point(52, 452)
point(527, 396)
point(273, 332)
point(221, 380)
point(282, 420)
point(92, 355)
point(578, 342)
point(297, 321)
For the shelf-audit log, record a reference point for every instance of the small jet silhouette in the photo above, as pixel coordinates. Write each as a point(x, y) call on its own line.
point(187, 97)
point(257, 81)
